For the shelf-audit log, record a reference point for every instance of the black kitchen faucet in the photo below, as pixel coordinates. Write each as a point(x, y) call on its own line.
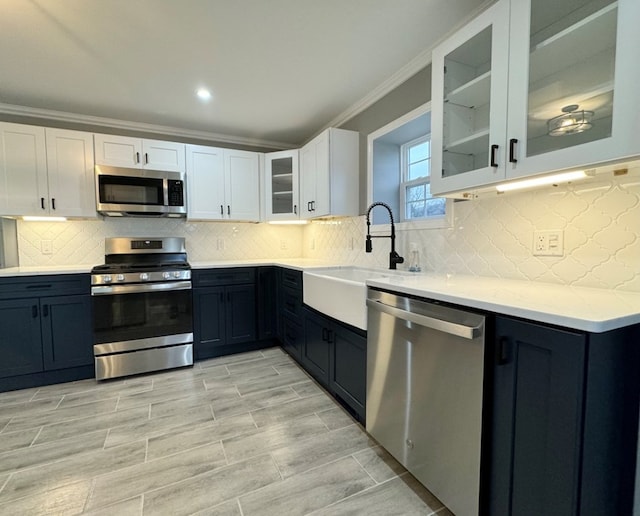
point(394, 257)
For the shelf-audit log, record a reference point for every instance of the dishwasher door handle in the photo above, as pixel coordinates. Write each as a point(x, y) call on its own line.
point(460, 330)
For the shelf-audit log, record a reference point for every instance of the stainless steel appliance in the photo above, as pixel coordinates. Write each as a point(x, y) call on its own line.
point(140, 192)
point(142, 307)
point(424, 393)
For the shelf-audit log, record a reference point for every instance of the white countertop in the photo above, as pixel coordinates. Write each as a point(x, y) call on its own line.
point(41, 270)
point(589, 309)
point(292, 263)
point(581, 308)
point(300, 264)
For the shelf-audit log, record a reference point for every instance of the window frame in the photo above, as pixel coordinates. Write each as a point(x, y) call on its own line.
point(408, 183)
point(403, 224)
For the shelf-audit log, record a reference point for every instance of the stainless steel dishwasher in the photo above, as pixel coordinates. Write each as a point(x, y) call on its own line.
point(424, 393)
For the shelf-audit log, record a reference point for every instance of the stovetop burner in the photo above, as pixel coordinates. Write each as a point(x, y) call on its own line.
point(142, 260)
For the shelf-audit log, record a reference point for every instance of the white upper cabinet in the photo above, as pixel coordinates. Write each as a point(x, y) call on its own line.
point(329, 175)
point(70, 173)
point(223, 184)
point(531, 87)
point(205, 183)
point(23, 170)
point(242, 184)
point(281, 185)
point(123, 151)
point(46, 172)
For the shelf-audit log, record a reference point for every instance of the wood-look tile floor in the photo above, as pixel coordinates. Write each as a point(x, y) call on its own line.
point(248, 434)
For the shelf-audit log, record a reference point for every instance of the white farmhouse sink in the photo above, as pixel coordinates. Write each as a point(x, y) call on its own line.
point(341, 292)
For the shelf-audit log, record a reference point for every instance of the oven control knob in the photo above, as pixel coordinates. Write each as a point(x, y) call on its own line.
point(144, 276)
point(176, 274)
point(106, 278)
point(120, 277)
point(166, 275)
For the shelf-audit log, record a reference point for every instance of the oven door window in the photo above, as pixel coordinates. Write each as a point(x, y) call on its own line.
point(122, 317)
point(131, 190)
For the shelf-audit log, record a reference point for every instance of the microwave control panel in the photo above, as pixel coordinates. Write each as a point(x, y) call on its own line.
point(176, 192)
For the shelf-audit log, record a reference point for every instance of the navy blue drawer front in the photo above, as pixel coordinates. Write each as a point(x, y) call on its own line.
point(48, 285)
point(217, 277)
point(291, 302)
point(292, 279)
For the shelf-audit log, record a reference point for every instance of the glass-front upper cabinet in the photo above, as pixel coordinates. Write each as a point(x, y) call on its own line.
point(281, 182)
point(469, 112)
point(573, 76)
point(535, 86)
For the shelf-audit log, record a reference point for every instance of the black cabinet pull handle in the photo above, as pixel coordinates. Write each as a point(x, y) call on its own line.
point(313, 205)
point(34, 311)
point(494, 163)
point(330, 337)
point(503, 351)
point(228, 210)
point(325, 334)
point(221, 210)
point(295, 209)
point(42, 203)
point(45, 311)
point(137, 157)
point(146, 158)
point(512, 150)
point(53, 203)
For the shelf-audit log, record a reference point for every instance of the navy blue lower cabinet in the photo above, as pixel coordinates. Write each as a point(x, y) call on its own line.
point(20, 337)
point(267, 295)
point(316, 347)
point(241, 314)
point(209, 321)
point(292, 337)
point(564, 421)
point(45, 339)
point(336, 356)
point(348, 369)
point(66, 324)
point(225, 316)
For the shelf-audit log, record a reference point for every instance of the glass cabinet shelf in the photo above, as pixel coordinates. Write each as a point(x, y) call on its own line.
point(474, 93)
point(475, 143)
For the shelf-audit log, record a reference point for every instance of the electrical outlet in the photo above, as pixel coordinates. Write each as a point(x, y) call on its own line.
point(351, 244)
point(284, 245)
point(220, 244)
point(46, 246)
point(548, 243)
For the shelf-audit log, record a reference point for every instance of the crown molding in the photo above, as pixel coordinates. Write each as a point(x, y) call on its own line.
point(62, 116)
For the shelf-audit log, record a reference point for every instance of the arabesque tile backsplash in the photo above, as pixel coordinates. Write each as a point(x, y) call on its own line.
point(489, 236)
point(82, 241)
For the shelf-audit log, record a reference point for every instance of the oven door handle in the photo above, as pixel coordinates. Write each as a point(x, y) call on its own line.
point(107, 290)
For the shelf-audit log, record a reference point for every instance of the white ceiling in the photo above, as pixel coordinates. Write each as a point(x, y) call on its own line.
point(279, 70)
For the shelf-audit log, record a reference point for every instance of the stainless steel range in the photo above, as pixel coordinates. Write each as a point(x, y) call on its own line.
point(142, 307)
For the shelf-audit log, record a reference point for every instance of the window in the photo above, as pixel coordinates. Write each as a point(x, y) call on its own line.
point(415, 192)
point(399, 174)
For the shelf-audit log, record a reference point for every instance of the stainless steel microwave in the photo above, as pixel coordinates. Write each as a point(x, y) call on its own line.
point(139, 192)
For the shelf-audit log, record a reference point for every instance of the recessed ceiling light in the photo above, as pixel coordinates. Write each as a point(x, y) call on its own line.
point(203, 94)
